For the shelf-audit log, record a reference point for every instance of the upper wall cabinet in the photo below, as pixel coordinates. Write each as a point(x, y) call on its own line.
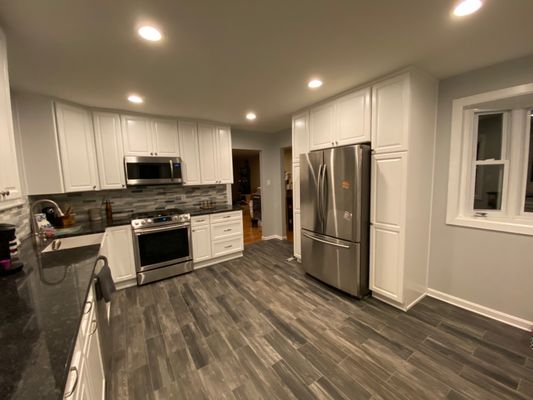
point(110, 156)
point(190, 155)
point(9, 176)
point(77, 147)
point(390, 114)
point(341, 122)
point(216, 165)
point(300, 135)
point(149, 137)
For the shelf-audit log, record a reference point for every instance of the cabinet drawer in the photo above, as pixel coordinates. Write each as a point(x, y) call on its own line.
point(224, 230)
point(200, 220)
point(227, 246)
point(220, 217)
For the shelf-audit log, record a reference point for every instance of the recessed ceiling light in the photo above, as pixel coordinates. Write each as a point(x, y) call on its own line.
point(251, 116)
point(467, 7)
point(133, 98)
point(149, 33)
point(315, 83)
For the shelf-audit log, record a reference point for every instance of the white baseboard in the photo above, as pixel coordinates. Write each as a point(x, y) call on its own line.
point(419, 298)
point(213, 261)
point(479, 309)
point(278, 237)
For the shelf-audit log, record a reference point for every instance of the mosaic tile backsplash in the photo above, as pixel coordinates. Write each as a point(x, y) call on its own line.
point(18, 216)
point(139, 198)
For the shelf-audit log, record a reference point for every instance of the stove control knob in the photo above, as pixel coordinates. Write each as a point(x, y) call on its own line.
point(149, 221)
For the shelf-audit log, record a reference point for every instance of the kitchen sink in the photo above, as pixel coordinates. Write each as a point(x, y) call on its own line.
point(73, 242)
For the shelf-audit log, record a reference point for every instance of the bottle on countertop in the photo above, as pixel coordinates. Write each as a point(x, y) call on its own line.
point(108, 211)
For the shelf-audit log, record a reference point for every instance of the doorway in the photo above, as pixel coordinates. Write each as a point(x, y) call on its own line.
point(246, 191)
point(286, 192)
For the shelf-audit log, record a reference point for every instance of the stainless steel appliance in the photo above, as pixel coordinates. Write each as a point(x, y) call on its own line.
point(335, 197)
point(152, 170)
point(162, 245)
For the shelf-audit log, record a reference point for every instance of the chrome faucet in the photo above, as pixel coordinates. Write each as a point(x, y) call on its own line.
point(34, 226)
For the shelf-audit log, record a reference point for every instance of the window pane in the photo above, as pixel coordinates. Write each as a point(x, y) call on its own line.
point(489, 182)
point(528, 207)
point(489, 136)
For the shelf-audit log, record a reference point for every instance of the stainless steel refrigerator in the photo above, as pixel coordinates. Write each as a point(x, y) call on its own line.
point(334, 203)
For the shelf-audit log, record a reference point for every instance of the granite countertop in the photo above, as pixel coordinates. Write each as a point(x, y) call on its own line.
point(201, 211)
point(41, 309)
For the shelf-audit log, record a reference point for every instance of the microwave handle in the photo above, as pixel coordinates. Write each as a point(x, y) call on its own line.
point(171, 169)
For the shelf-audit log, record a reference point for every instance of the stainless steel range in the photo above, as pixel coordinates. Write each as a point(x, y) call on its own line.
point(162, 244)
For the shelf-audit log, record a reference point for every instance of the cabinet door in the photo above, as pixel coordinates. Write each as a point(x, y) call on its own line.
point(201, 243)
point(390, 114)
point(165, 138)
point(77, 147)
point(321, 126)
point(94, 367)
point(224, 155)
point(300, 136)
point(297, 235)
point(137, 136)
point(296, 186)
point(388, 189)
point(109, 151)
point(190, 154)
point(208, 153)
point(119, 242)
point(9, 174)
point(352, 118)
point(386, 266)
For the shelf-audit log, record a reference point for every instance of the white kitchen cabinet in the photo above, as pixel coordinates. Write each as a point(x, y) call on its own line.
point(10, 188)
point(300, 136)
point(109, 152)
point(165, 138)
point(387, 262)
point(137, 135)
point(341, 122)
point(190, 153)
point(352, 118)
point(118, 248)
point(77, 147)
point(390, 114)
point(321, 126)
point(297, 235)
point(201, 238)
point(94, 367)
point(208, 153)
point(216, 166)
point(216, 237)
point(388, 188)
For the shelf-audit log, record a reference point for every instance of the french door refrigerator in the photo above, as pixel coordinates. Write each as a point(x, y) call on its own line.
point(334, 203)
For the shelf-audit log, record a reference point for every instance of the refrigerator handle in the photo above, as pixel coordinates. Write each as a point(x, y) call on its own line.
point(323, 195)
point(343, 246)
point(319, 192)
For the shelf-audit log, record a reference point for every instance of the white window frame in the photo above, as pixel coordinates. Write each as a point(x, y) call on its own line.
point(515, 141)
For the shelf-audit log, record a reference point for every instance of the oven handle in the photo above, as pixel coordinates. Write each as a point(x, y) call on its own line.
point(141, 231)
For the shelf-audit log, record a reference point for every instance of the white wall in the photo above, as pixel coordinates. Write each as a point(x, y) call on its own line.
point(269, 144)
point(489, 268)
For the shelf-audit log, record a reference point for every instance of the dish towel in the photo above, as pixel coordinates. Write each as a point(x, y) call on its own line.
point(104, 281)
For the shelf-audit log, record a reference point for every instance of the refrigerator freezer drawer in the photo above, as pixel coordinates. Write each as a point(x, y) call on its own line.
point(335, 262)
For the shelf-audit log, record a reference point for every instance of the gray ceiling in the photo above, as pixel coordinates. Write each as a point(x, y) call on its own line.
point(221, 58)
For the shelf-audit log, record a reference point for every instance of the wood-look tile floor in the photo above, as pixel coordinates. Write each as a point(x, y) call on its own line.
point(257, 327)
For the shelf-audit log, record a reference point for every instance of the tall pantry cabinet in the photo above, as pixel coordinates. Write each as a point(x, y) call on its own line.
point(399, 114)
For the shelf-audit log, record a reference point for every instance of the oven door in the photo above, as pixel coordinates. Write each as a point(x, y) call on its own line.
point(162, 246)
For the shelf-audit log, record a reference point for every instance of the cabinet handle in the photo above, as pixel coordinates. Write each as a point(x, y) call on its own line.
point(228, 247)
point(227, 216)
point(94, 187)
point(123, 185)
point(228, 230)
point(95, 323)
point(74, 385)
point(90, 303)
point(151, 153)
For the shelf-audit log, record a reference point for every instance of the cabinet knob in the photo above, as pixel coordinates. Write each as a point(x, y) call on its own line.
point(151, 153)
point(123, 185)
point(94, 187)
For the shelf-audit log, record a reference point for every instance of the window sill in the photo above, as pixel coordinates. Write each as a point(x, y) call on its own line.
point(518, 227)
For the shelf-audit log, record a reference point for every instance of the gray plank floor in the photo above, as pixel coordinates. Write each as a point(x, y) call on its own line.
point(258, 327)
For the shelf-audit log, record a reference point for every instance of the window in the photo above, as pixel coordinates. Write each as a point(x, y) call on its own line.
point(491, 161)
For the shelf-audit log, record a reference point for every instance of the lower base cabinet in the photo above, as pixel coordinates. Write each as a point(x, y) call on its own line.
point(297, 238)
point(216, 236)
point(117, 246)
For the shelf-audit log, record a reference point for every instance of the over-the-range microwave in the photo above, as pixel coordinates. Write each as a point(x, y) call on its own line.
point(152, 170)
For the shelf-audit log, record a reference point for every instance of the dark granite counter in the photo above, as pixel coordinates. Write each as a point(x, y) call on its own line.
point(40, 313)
point(200, 211)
